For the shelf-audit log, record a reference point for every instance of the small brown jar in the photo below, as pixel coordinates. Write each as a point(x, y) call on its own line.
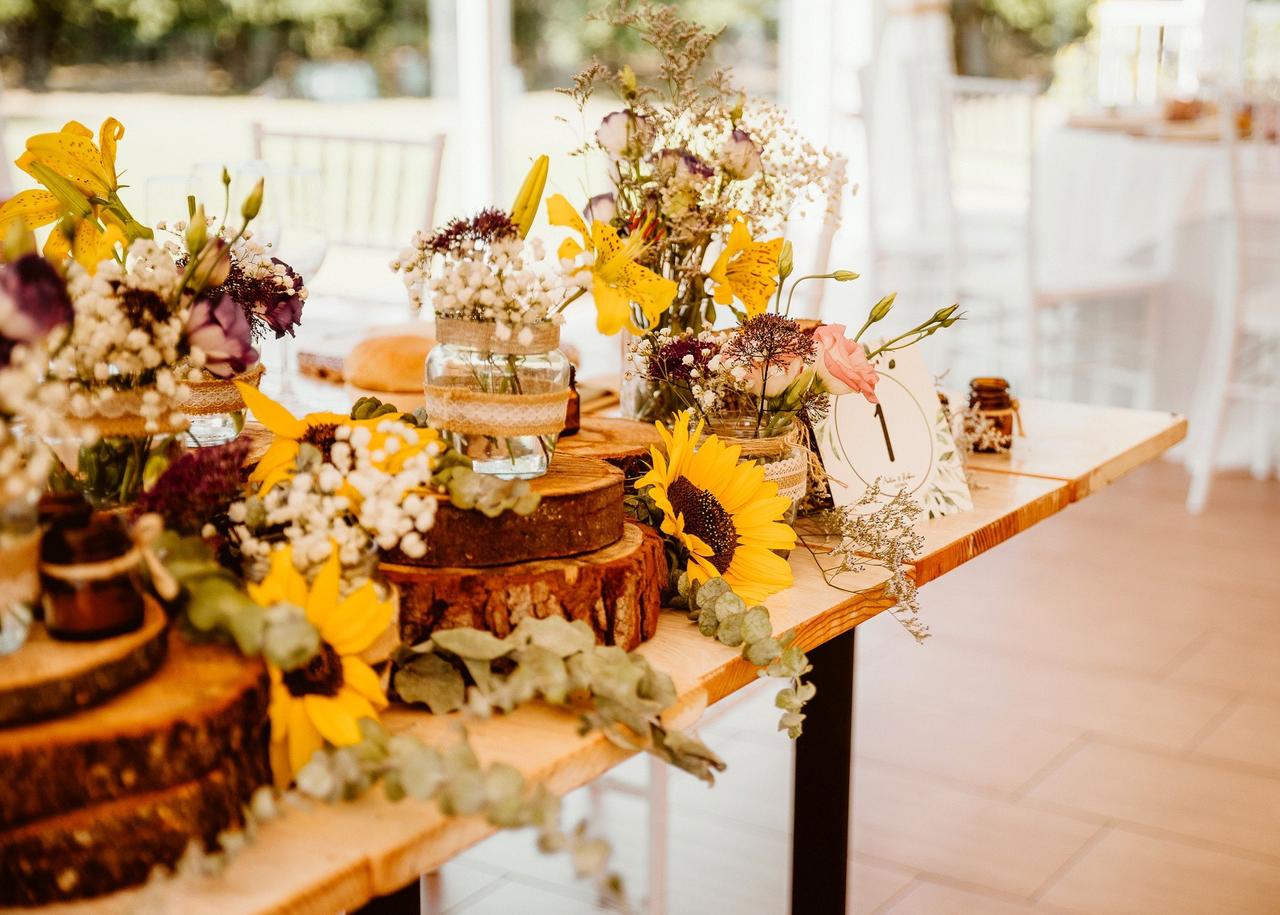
point(990, 396)
point(90, 573)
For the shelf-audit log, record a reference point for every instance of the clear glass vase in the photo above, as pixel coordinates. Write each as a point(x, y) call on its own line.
point(215, 410)
point(111, 470)
point(500, 402)
point(771, 438)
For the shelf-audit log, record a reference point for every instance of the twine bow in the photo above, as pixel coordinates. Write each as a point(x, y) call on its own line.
point(144, 532)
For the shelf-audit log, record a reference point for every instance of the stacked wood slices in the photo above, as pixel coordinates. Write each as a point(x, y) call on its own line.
point(576, 555)
point(116, 755)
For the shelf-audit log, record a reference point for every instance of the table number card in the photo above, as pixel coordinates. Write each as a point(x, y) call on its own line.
point(905, 440)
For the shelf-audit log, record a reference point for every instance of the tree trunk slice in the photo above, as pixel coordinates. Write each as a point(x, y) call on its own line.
point(616, 590)
point(205, 704)
point(46, 677)
point(624, 443)
point(116, 844)
point(581, 511)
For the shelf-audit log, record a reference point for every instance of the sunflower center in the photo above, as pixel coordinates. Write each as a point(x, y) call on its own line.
point(321, 676)
point(323, 436)
point(706, 519)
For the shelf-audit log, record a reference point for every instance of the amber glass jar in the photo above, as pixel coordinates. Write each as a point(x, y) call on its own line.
point(90, 574)
point(990, 396)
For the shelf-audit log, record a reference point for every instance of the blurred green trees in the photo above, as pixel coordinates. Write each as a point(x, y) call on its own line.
point(1015, 38)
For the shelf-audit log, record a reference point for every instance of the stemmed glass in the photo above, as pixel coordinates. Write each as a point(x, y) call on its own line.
point(298, 216)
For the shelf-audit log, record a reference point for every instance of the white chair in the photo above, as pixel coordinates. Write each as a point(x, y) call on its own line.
point(380, 190)
point(1243, 364)
point(1022, 292)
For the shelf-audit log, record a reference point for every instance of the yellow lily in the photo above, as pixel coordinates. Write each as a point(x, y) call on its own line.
point(89, 245)
point(317, 429)
point(324, 699)
point(617, 280)
point(72, 153)
point(746, 270)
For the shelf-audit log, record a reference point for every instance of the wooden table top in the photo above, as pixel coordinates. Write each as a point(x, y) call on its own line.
point(324, 858)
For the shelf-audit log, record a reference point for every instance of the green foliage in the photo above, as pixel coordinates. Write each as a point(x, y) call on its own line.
point(724, 616)
point(215, 605)
point(557, 661)
point(460, 786)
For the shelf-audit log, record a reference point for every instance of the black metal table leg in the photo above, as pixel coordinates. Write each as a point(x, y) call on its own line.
point(404, 901)
point(821, 795)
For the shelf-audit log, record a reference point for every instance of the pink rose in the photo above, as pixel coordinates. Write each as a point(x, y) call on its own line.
point(842, 363)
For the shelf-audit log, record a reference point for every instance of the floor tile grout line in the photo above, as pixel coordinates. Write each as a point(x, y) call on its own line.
point(900, 894)
point(1199, 737)
point(1239, 767)
point(1205, 637)
point(1073, 859)
point(1066, 753)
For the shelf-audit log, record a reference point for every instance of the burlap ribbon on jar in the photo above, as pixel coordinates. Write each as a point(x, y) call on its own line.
point(211, 396)
point(785, 460)
point(121, 416)
point(144, 533)
point(471, 412)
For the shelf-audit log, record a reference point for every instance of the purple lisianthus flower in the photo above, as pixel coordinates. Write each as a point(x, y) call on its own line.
point(600, 208)
point(33, 301)
point(282, 310)
point(221, 331)
point(619, 133)
point(684, 165)
point(739, 155)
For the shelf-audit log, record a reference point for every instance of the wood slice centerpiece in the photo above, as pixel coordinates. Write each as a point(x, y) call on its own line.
point(624, 443)
point(46, 677)
point(617, 590)
point(580, 511)
point(92, 801)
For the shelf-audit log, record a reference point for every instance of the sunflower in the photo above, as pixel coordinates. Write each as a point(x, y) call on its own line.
point(746, 270)
point(323, 699)
point(721, 510)
point(617, 280)
point(320, 430)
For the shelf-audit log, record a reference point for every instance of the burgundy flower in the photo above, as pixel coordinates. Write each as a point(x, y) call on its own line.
point(281, 308)
point(33, 301)
point(221, 331)
point(197, 487)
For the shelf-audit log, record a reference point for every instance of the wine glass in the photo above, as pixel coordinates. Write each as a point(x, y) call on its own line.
point(293, 205)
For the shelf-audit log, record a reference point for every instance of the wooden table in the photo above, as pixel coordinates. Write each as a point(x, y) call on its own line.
point(322, 858)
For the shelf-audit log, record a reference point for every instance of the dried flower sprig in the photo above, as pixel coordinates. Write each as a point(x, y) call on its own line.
point(878, 533)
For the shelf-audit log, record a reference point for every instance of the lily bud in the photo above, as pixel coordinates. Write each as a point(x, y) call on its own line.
point(942, 314)
point(786, 261)
point(253, 203)
point(197, 230)
point(213, 263)
point(883, 307)
point(627, 78)
point(844, 276)
point(226, 177)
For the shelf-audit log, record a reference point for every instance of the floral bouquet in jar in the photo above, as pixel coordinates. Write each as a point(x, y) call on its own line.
point(704, 179)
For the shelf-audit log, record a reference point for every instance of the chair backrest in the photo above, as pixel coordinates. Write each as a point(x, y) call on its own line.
point(378, 190)
point(1255, 186)
point(1262, 43)
point(1144, 46)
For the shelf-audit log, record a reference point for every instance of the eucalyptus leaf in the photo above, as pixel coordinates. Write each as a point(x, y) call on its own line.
point(709, 591)
point(471, 643)
point(555, 634)
point(689, 753)
point(708, 622)
point(548, 672)
point(431, 679)
point(763, 652)
point(730, 631)
point(756, 625)
point(729, 604)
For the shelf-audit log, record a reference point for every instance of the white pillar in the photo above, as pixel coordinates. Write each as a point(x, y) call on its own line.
point(481, 69)
point(1222, 28)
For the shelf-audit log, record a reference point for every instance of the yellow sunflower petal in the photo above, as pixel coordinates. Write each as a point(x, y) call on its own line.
point(360, 677)
point(304, 738)
point(332, 719)
point(358, 621)
point(322, 599)
point(275, 417)
point(279, 710)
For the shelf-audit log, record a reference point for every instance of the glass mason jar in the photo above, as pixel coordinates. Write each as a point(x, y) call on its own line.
point(19, 569)
point(773, 439)
point(501, 403)
point(215, 409)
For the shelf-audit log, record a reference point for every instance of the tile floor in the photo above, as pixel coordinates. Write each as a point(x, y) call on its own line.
point(1093, 728)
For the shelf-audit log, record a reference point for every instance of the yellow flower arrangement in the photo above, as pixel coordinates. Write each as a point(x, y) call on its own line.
point(324, 699)
point(280, 460)
point(746, 270)
point(80, 194)
point(617, 280)
point(721, 510)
